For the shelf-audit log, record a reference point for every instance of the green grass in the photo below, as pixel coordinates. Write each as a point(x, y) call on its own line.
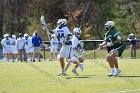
point(40, 77)
point(102, 54)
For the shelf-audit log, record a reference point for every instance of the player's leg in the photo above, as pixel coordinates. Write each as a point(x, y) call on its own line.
point(69, 61)
point(111, 63)
point(56, 56)
point(51, 56)
point(20, 52)
point(25, 55)
point(62, 55)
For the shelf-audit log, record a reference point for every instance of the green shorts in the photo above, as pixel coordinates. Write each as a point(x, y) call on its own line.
point(119, 48)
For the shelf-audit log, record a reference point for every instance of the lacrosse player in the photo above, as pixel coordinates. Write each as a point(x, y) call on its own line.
point(116, 46)
point(14, 48)
point(64, 37)
point(6, 44)
point(54, 46)
point(21, 47)
point(75, 58)
point(28, 46)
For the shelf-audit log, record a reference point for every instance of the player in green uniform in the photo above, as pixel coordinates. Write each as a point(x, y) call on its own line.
point(115, 45)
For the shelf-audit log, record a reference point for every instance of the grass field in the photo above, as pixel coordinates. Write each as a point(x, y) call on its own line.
point(40, 77)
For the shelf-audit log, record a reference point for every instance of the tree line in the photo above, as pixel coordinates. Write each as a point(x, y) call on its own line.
point(90, 15)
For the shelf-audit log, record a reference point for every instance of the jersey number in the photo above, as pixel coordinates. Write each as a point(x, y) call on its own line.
point(60, 35)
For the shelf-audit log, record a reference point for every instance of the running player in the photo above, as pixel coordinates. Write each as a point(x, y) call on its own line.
point(114, 40)
point(75, 57)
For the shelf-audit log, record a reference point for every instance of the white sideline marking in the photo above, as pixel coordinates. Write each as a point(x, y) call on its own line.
point(125, 91)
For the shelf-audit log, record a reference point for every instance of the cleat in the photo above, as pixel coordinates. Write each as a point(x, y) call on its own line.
point(81, 66)
point(74, 71)
point(110, 73)
point(117, 72)
point(62, 74)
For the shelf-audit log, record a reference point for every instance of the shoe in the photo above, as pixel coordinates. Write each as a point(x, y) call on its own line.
point(74, 71)
point(39, 60)
point(33, 61)
point(62, 74)
point(50, 60)
point(110, 73)
point(117, 72)
point(59, 74)
point(81, 66)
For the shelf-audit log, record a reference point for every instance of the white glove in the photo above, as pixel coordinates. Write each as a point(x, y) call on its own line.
point(100, 46)
point(110, 44)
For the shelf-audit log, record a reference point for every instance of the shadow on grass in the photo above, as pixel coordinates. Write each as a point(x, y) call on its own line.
point(129, 76)
point(80, 76)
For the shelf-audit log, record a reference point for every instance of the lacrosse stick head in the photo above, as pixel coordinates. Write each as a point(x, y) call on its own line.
point(42, 20)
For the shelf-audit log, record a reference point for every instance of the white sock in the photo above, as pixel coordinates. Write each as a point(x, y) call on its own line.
point(63, 70)
point(117, 69)
point(112, 69)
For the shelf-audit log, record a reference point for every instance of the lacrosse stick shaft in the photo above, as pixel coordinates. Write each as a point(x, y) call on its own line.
point(43, 22)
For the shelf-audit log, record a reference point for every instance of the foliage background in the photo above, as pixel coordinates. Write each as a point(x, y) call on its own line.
point(90, 15)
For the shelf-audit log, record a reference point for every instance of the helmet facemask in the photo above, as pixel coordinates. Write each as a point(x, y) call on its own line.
point(109, 25)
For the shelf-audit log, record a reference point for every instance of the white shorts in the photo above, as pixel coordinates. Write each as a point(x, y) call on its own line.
point(65, 51)
point(29, 50)
point(74, 55)
point(7, 50)
point(14, 50)
point(53, 50)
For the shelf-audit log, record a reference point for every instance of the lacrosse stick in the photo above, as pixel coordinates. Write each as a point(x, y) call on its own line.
point(45, 26)
point(91, 51)
point(99, 48)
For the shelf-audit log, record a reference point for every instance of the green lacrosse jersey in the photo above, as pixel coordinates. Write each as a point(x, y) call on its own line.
point(111, 36)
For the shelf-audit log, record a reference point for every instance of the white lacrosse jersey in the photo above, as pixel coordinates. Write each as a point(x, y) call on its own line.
point(75, 41)
point(6, 42)
point(7, 45)
point(14, 46)
point(20, 42)
point(54, 45)
point(62, 34)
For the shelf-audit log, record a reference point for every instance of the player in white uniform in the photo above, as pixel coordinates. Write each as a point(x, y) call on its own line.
point(54, 46)
point(14, 48)
point(63, 34)
point(6, 44)
point(28, 46)
point(75, 57)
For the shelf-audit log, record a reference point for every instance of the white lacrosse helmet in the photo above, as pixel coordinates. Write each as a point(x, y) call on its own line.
point(25, 35)
point(77, 30)
point(6, 35)
point(109, 24)
point(14, 36)
point(61, 22)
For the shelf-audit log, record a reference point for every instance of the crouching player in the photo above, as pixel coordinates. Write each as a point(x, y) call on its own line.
point(75, 58)
point(115, 45)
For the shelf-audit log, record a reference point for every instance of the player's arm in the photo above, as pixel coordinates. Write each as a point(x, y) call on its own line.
point(116, 41)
